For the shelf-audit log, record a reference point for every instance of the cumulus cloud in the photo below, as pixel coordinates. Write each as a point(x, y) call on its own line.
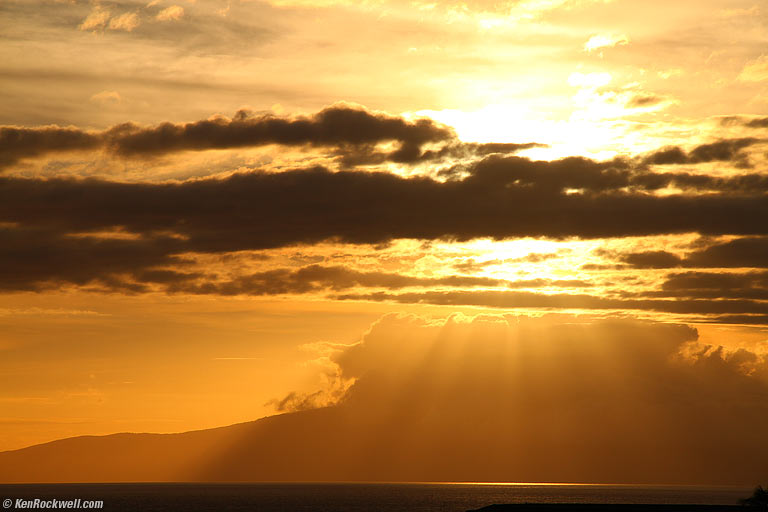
point(126, 21)
point(100, 19)
point(561, 399)
point(96, 19)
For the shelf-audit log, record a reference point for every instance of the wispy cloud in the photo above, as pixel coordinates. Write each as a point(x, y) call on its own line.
point(599, 41)
point(755, 70)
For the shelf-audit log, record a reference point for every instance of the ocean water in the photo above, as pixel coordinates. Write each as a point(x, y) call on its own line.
point(359, 497)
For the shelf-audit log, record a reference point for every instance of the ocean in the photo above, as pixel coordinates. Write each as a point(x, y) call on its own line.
point(357, 497)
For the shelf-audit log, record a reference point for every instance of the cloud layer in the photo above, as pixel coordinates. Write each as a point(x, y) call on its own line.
point(145, 236)
point(136, 237)
point(500, 197)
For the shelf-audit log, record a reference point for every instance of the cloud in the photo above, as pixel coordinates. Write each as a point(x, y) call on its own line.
point(739, 12)
point(568, 301)
point(715, 280)
point(599, 41)
point(645, 100)
point(747, 252)
point(352, 135)
point(740, 252)
point(333, 126)
point(317, 278)
point(314, 278)
point(353, 130)
point(516, 9)
point(17, 142)
point(35, 260)
point(172, 13)
point(150, 263)
point(126, 21)
point(501, 197)
point(497, 196)
point(751, 286)
point(758, 123)
point(712, 285)
point(411, 153)
point(720, 151)
point(469, 265)
point(106, 97)
point(562, 399)
point(753, 122)
point(96, 19)
point(652, 259)
point(755, 70)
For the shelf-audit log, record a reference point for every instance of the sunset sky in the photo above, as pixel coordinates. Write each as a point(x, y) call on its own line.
point(213, 211)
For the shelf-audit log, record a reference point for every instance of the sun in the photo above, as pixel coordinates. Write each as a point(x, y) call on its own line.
point(573, 135)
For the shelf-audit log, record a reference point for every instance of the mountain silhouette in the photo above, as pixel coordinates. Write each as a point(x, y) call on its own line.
point(329, 444)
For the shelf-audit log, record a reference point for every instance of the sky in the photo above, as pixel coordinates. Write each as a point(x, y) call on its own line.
point(411, 212)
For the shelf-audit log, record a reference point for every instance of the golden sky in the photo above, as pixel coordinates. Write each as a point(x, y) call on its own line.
point(213, 211)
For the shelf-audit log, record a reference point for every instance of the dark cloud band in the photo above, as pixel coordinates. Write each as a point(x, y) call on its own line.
point(352, 128)
point(501, 198)
point(748, 252)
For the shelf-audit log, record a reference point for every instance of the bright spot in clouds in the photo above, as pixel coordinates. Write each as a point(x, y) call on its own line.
point(605, 40)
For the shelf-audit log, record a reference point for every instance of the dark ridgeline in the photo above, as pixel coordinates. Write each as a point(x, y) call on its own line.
point(325, 445)
point(759, 498)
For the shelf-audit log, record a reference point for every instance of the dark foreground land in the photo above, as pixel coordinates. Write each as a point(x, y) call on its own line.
point(609, 507)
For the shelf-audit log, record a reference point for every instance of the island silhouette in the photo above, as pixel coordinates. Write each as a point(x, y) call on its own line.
point(327, 445)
